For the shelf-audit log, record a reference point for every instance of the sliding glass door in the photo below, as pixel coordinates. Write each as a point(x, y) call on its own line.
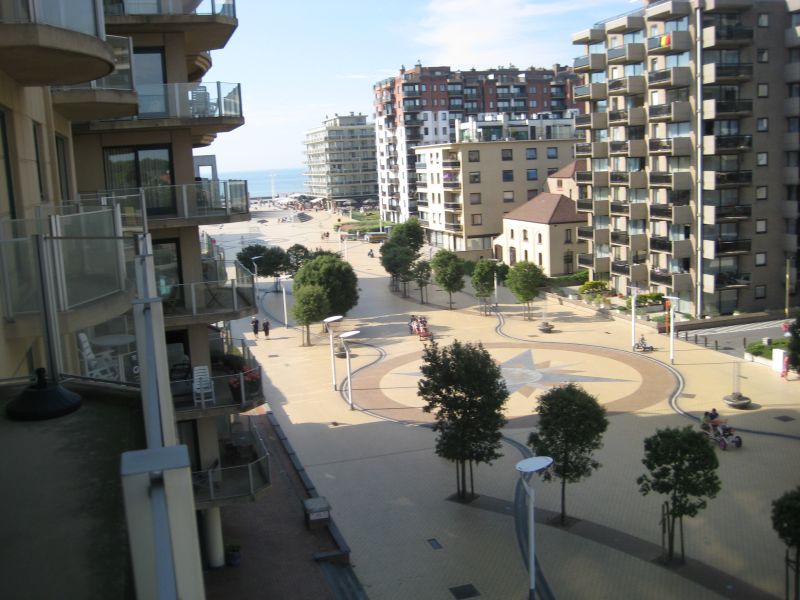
point(130, 168)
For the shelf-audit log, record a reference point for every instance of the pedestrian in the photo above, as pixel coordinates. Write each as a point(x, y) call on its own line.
point(266, 328)
point(254, 323)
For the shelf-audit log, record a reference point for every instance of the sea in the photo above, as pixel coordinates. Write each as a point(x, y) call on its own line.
point(259, 183)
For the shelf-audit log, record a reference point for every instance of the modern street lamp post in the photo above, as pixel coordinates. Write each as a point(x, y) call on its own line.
point(329, 324)
point(253, 260)
point(672, 301)
point(343, 337)
point(528, 467)
point(634, 298)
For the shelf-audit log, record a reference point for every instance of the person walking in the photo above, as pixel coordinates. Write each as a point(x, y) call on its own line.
point(266, 329)
point(254, 323)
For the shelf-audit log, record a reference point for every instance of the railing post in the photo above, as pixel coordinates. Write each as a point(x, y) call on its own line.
point(228, 199)
point(143, 205)
point(193, 298)
point(241, 388)
point(220, 111)
point(235, 295)
point(184, 202)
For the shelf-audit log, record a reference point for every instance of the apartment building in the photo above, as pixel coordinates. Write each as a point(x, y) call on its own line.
point(465, 188)
point(340, 159)
point(420, 106)
point(101, 106)
point(691, 130)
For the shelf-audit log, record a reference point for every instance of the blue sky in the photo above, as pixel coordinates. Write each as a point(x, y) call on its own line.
point(300, 61)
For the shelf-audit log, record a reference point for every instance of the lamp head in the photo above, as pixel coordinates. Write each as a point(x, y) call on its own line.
point(332, 319)
point(534, 464)
point(349, 334)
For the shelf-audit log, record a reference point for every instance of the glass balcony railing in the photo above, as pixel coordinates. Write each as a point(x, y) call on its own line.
point(122, 77)
point(207, 100)
point(117, 8)
point(75, 15)
point(209, 297)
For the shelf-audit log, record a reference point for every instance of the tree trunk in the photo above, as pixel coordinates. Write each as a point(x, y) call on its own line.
point(450, 299)
point(463, 479)
point(421, 299)
point(670, 535)
point(471, 480)
point(308, 335)
point(563, 501)
point(797, 574)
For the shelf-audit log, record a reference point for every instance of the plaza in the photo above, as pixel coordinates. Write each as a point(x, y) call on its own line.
point(391, 496)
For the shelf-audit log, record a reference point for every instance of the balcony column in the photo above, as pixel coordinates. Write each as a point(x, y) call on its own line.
point(212, 538)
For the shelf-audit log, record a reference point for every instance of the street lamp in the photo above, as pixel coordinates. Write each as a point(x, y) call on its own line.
point(329, 323)
point(634, 298)
point(343, 337)
point(672, 301)
point(253, 260)
point(496, 262)
point(528, 467)
point(285, 314)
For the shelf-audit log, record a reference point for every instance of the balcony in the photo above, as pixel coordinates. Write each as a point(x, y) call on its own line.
point(673, 111)
point(207, 109)
point(596, 149)
point(589, 36)
point(726, 144)
point(589, 62)
point(234, 392)
point(725, 280)
point(677, 180)
point(632, 116)
point(453, 227)
point(242, 474)
point(585, 233)
point(595, 120)
point(727, 6)
point(678, 248)
point(419, 166)
point(667, 43)
point(634, 179)
point(666, 11)
point(58, 42)
point(714, 248)
point(632, 85)
point(451, 185)
point(726, 36)
point(718, 73)
point(625, 23)
point(596, 178)
point(586, 261)
point(621, 267)
point(584, 204)
point(714, 109)
point(583, 149)
point(669, 78)
point(791, 71)
point(422, 184)
point(628, 53)
point(200, 203)
point(717, 180)
point(204, 24)
point(792, 37)
point(591, 91)
point(584, 177)
point(678, 281)
point(453, 206)
point(451, 165)
point(411, 92)
point(620, 238)
point(677, 146)
point(726, 213)
point(109, 97)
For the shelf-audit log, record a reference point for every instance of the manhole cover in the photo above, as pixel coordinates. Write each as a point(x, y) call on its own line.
point(464, 591)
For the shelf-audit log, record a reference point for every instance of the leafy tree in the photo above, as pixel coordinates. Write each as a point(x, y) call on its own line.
point(793, 350)
point(571, 427)
point(310, 305)
point(502, 272)
point(335, 276)
point(786, 523)
point(593, 289)
point(448, 272)
point(421, 274)
point(683, 466)
point(524, 280)
point(409, 234)
point(464, 388)
point(397, 261)
point(271, 262)
point(483, 278)
point(296, 255)
point(320, 252)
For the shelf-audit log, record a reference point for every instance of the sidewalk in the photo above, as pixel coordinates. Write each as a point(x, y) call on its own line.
point(390, 492)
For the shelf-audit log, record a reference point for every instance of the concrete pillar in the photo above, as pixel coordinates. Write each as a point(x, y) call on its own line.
point(212, 540)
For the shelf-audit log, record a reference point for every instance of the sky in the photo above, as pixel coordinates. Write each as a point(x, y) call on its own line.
point(300, 61)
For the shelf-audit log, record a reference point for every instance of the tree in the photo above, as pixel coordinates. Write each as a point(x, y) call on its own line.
point(335, 276)
point(448, 272)
point(421, 274)
point(310, 305)
point(483, 278)
point(271, 262)
point(571, 427)
point(793, 349)
point(683, 466)
point(524, 280)
point(786, 523)
point(409, 234)
point(464, 388)
point(296, 256)
point(397, 261)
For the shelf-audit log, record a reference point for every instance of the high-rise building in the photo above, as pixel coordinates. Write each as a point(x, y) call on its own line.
point(692, 133)
point(340, 159)
point(421, 105)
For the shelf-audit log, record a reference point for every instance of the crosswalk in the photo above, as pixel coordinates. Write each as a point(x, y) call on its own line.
point(739, 328)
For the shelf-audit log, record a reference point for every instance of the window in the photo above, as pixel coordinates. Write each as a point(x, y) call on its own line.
point(540, 258)
point(167, 266)
point(133, 167)
point(761, 159)
point(568, 236)
point(38, 152)
point(507, 154)
point(762, 55)
point(508, 175)
point(533, 174)
point(477, 219)
point(474, 156)
point(793, 124)
point(760, 292)
point(761, 259)
point(552, 153)
point(761, 192)
point(475, 177)
point(149, 72)
point(508, 196)
point(511, 231)
point(539, 238)
point(762, 124)
point(524, 235)
point(763, 20)
point(761, 226)
point(474, 198)
point(530, 153)
point(763, 90)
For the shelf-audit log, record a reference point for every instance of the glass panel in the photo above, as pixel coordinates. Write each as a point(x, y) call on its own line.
point(63, 168)
point(149, 78)
point(6, 190)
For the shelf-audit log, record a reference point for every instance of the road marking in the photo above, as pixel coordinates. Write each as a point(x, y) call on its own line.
point(735, 328)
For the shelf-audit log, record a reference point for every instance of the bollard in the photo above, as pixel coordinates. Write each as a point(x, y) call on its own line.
point(695, 338)
point(705, 341)
point(716, 344)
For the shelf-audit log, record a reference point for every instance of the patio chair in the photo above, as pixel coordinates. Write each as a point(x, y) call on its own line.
point(202, 386)
point(99, 365)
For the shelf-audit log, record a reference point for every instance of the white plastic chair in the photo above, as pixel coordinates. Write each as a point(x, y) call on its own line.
point(98, 364)
point(202, 386)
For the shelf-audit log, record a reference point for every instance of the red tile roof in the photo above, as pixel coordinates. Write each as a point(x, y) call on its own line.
point(568, 172)
point(549, 209)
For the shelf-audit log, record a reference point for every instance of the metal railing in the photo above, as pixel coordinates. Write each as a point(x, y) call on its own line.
point(733, 106)
point(659, 110)
point(115, 8)
point(83, 16)
point(733, 177)
point(733, 142)
point(209, 297)
point(205, 100)
point(122, 77)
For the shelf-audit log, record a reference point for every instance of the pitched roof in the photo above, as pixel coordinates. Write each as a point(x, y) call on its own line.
point(549, 209)
point(568, 172)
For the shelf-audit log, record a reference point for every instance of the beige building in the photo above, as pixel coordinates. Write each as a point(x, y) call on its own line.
point(465, 189)
point(101, 107)
point(543, 231)
point(691, 130)
point(563, 181)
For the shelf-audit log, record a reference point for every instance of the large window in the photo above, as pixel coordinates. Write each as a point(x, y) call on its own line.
point(167, 263)
point(149, 77)
point(128, 169)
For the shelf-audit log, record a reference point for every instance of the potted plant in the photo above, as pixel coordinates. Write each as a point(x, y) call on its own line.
point(252, 382)
point(233, 555)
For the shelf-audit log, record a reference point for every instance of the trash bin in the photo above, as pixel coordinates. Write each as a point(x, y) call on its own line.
point(317, 512)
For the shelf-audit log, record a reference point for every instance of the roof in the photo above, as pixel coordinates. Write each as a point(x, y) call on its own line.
point(548, 209)
point(568, 172)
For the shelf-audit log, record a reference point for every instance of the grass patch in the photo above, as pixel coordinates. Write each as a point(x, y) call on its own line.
point(761, 349)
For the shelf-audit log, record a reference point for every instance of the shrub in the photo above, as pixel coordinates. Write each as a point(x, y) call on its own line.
point(593, 288)
point(761, 349)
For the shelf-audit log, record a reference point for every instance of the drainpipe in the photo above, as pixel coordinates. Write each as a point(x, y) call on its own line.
point(699, 154)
